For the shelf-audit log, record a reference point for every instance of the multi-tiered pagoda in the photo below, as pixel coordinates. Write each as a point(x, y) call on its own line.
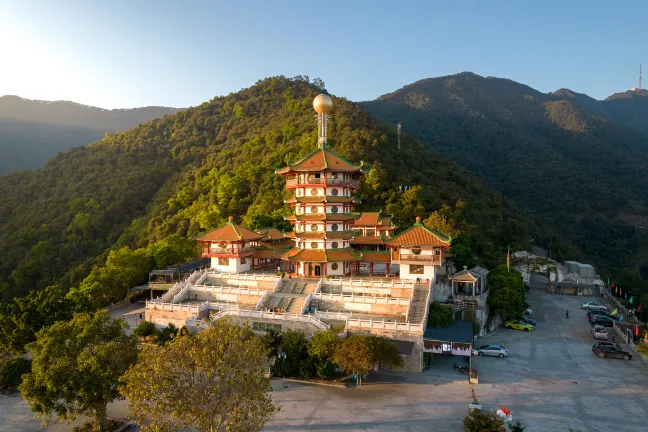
point(322, 183)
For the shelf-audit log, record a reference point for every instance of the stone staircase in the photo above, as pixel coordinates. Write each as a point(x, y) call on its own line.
point(296, 305)
point(418, 305)
point(310, 288)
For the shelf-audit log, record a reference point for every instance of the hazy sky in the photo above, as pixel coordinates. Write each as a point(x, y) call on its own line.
point(180, 53)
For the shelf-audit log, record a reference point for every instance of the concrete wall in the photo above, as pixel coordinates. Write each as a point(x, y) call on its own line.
point(307, 329)
point(413, 362)
point(340, 270)
point(368, 308)
point(228, 297)
point(441, 292)
point(234, 265)
point(428, 272)
point(163, 318)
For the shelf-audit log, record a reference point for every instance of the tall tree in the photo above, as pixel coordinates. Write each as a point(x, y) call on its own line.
point(354, 356)
point(212, 381)
point(507, 296)
point(76, 367)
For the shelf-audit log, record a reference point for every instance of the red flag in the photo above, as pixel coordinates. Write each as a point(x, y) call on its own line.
point(612, 284)
point(636, 330)
point(621, 291)
point(639, 308)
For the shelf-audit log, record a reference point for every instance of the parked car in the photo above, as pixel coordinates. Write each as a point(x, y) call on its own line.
point(528, 311)
point(593, 306)
point(599, 332)
point(601, 312)
point(601, 315)
point(610, 351)
point(604, 321)
point(518, 325)
point(492, 350)
point(606, 343)
point(526, 320)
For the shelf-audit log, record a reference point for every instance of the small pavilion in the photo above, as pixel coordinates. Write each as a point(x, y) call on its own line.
point(230, 247)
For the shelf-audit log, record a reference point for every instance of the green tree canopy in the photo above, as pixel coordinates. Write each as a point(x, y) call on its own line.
point(440, 315)
point(507, 296)
point(212, 381)
point(77, 365)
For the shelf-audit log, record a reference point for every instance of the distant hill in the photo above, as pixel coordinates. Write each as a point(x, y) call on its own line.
point(628, 108)
point(32, 131)
point(577, 171)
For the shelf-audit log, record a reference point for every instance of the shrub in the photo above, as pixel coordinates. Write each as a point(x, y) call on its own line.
point(167, 333)
point(483, 421)
point(146, 328)
point(440, 315)
point(307, 367)
point(12, 370)
point(324, 369)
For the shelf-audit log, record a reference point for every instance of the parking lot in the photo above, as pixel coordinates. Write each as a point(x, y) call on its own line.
point(551, 381)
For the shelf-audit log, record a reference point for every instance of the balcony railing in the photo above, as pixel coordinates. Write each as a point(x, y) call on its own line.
point(427, 259)
point(328, 181)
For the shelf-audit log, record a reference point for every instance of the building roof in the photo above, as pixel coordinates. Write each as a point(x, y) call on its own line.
point(321, 159)
point(460, 331)
point(322, 255)
point(367, 240)
point(286, 243)
point(321, 199)
point(374, 219)
point(480, 270)
point(465, 276)
point(321, 217)
point(419, 235)
point(266, 253)
point(271, 233)
point(376, 257)
point(188, 266)
point(230, 232)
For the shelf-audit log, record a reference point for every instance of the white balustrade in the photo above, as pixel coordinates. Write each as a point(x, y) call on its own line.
point(341, 298)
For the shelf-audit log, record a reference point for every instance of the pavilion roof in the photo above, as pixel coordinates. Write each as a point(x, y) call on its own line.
point(374, 219)
point(366, 240)
point(419, 235)
point(322, 255)
point(230, 232)
point(376, 257)
point(324, 234)
point(321, 159)
point(271, 233)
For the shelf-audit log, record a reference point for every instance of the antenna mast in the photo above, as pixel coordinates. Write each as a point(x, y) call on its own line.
point(398, 129)
point(640, 83)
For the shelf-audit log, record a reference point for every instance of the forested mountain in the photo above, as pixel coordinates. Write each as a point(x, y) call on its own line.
point(186, 173)
point(32, 131)
point(580, 174)
point(629, 108)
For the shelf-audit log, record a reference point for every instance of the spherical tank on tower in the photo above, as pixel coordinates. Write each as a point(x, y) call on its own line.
point(323, 104)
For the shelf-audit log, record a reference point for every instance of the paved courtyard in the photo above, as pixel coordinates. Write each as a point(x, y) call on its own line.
point(551, 382)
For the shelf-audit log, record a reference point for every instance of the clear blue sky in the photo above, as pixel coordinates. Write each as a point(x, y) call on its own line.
point(180, 53)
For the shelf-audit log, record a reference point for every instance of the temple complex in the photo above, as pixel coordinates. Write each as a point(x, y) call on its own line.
point(324, 257)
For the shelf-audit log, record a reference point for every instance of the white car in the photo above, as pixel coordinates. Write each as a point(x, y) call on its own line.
point(599, 332)
point(491, 350)
point(593, 306)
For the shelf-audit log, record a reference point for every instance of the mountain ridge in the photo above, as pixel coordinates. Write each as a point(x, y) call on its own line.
point(579, 170)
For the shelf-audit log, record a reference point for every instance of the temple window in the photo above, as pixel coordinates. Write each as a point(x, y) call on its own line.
point(314, 227)
point(416, 269)
point(335, 192)
point(334, 245)
point(313, 191)
point(416, 250)
point(334, 209)
point(314, 209)
point(314, 245)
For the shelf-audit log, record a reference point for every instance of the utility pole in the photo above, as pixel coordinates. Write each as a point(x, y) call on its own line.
point(398, 128)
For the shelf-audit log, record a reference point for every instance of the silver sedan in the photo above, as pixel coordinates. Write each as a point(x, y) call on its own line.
point(491, 350)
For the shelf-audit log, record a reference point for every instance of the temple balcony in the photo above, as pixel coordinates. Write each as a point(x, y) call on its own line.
point(293, 183)
point(416, 259)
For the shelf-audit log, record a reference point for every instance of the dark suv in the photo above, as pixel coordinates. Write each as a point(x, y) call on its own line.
point(595, 314)
point(607, 350)
point(602, 320)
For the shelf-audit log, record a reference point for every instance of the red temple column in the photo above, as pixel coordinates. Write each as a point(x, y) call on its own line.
point(370, 269)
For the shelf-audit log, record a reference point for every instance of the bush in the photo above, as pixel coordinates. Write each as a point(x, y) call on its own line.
point(483, 421)
point(440, 315)
point(324, 369)
point(146, 328)
point(12, 370)
point(307, 367)
point(167, 333)
point(271, 341)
